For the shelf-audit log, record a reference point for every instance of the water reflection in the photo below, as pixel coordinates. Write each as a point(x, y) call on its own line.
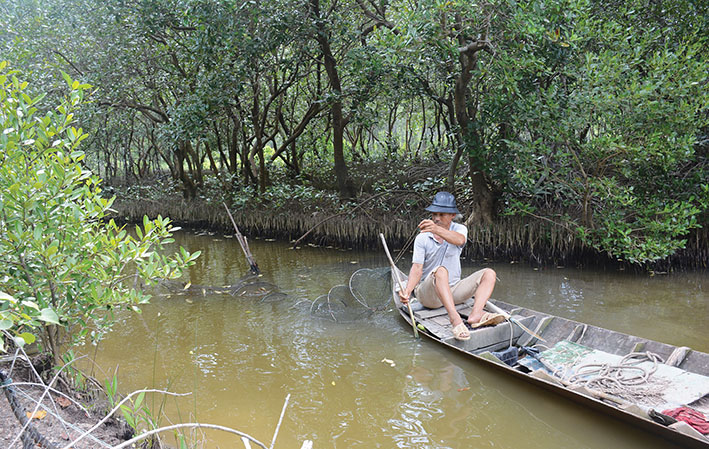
point(241, 355)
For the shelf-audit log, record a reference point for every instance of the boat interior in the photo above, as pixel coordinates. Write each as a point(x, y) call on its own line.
point(642, 377)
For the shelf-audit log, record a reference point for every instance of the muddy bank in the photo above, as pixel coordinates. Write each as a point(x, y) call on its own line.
point(63, 416)
point(509, 239)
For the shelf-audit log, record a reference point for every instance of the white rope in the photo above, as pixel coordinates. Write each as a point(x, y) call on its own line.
point(40, 400)
point(118, 406)
point(622, 379)
point(60, 419)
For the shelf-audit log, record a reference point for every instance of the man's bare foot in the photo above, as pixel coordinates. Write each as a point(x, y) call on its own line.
point(475, 318)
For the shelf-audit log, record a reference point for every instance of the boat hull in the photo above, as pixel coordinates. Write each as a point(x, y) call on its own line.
point(559, 331)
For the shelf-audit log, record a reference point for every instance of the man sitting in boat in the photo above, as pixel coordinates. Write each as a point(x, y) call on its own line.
point(436, 263)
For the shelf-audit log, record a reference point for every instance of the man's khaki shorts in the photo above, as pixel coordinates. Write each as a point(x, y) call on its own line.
point(462, 290)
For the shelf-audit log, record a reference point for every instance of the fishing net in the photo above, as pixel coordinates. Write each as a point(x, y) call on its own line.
point(371, 287)
point(367, 291)
point(274, 296)
point(339, 305)
point(321, 308)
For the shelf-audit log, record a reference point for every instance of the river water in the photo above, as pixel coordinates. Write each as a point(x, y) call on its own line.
point(240, 356)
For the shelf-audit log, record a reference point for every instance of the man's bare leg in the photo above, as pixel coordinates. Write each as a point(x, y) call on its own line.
point(482, 294)
point(443, 289)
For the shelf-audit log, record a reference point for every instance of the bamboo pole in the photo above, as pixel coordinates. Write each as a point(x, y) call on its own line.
point(395, 271)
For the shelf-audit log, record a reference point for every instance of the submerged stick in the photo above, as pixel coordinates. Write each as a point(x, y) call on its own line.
point(398, 281)
point(244, 244)
point(280, 420)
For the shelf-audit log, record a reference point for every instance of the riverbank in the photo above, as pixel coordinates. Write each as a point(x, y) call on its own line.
point(61, 419)
point(357, 225)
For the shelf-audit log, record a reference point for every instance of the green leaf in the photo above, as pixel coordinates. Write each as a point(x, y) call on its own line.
point(67, 78)
point(49, 315)
point(5, 297)
point(30, 304)
point(5, 325)
point(129, 415)
point(139, 400)
point(27, 337)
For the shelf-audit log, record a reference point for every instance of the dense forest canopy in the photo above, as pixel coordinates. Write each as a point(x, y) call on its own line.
point(590, 115)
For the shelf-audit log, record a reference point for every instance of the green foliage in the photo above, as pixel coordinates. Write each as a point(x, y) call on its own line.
point(584, 113)
point(62, 263)
point(605, 137)
point(134, 411)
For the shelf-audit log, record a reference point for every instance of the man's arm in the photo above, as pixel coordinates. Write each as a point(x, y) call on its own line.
point(414, 278)
point(452, 237)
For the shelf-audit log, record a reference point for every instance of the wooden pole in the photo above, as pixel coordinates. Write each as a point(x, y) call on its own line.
point(244, 244)
point(395, 271)
point(509, 318)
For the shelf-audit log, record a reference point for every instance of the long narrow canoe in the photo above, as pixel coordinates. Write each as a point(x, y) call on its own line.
point(642, 378)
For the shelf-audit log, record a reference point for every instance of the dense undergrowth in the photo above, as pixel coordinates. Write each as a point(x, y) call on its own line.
point(391, 200)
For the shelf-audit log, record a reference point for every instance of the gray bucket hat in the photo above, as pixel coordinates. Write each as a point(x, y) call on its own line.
point(443, 202)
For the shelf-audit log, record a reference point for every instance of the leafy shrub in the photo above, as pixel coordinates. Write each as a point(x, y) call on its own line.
point(64, 269)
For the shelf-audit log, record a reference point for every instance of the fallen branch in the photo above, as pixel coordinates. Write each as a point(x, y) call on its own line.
point(114, 409)
point(189, 425)
point(326, 219)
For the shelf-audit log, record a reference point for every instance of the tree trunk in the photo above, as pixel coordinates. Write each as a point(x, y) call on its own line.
point(189, 189)
point(344, 183)
point(468, 139)
point(483, 203)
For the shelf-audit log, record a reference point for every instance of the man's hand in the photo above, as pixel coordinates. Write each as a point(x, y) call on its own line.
point(404, 297)
point(428, 226)
point(439, 225)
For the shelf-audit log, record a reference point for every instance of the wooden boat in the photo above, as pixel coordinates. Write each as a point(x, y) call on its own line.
point(660, 376)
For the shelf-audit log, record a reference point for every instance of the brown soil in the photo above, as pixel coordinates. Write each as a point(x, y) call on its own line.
point(64, 421)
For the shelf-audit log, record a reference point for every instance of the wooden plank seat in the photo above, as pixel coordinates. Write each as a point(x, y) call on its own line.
point(486, 338)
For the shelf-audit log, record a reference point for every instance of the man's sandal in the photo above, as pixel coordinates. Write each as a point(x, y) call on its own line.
point(461, 332)
point(489, 319)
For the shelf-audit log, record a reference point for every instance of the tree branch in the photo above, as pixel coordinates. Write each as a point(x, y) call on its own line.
point(152, 113)
point(57, 52)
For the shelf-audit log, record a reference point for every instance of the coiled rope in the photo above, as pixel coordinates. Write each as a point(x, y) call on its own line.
point(622, 379)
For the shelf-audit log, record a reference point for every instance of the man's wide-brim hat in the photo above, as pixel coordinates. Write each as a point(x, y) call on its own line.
point(443, 202)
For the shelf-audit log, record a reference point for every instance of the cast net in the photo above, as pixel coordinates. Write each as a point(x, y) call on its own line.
point(368, 291)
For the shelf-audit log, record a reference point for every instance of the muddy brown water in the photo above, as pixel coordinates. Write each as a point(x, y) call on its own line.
point(240, 356)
